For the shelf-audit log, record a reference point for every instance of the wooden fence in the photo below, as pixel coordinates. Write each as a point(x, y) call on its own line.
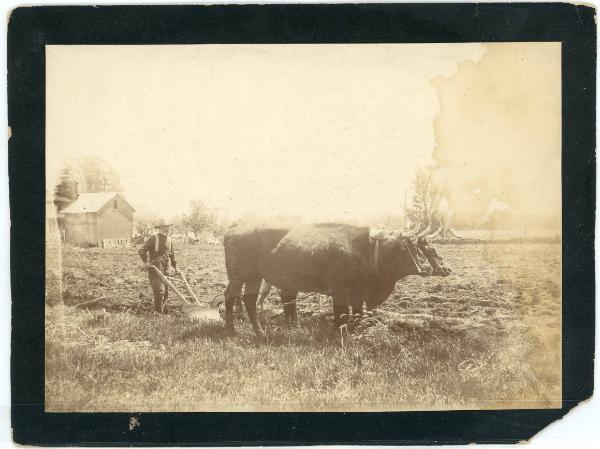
point(124, 242)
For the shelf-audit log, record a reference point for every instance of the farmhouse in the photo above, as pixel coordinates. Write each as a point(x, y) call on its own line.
point(99, 219)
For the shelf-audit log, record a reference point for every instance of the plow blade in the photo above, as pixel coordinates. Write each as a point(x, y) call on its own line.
point(200, 313)
point(191, 308)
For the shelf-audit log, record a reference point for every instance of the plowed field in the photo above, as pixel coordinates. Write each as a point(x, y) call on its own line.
point(488, 336)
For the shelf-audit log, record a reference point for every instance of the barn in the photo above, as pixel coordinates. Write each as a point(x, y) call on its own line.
point(98, 219)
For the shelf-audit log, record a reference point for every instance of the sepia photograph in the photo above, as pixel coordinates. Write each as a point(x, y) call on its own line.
point(327, 227)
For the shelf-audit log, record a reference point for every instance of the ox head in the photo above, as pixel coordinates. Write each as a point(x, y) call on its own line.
point(436, 265)
point(395, 257)
point(404, 256)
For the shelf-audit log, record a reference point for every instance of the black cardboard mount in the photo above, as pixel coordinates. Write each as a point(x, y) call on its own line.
point(31, 28)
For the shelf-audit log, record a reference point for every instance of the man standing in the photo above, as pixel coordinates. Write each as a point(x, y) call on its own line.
point(158, 251)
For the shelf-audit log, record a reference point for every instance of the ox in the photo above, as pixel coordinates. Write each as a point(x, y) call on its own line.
point(339, 260)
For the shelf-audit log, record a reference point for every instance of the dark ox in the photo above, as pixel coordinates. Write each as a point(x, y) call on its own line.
point(339, 260)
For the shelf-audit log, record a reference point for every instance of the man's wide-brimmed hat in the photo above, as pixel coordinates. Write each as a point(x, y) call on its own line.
point(162, 224)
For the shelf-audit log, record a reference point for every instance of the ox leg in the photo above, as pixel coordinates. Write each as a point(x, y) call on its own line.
point(229, 302)
point(293, 313)
point(250, 295)
point(338, 311)
point(341, 306)
point(239, 309)
point(260, 304)
point(286, 308)
point(293, 309)
point(290, 312)
point(232, 293)
point(357, 307)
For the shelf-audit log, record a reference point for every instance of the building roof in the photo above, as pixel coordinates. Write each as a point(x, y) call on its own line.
point(90, 202)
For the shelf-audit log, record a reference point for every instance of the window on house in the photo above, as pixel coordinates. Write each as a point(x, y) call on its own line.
point(115, 204)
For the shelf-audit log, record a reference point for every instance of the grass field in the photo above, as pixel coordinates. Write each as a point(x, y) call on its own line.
point(488, 336)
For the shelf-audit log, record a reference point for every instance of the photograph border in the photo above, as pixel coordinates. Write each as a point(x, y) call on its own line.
point(31, 28)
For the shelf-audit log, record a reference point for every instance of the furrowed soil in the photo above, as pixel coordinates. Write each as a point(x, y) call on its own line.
point(488, 336)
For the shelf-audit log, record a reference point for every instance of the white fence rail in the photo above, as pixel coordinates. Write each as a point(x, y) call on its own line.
point(124, 242)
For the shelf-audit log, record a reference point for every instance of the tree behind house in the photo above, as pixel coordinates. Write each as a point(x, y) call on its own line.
point(99, 175)
point(67, 185)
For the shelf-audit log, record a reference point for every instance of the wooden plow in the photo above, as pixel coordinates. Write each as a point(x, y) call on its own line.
point(191, 307)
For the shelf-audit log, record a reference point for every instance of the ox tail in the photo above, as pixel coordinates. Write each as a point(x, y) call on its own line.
point(263, 295)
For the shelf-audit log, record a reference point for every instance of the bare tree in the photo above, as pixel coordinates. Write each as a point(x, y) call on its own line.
point(202, 218)
point(99, 175)
point(429, 214)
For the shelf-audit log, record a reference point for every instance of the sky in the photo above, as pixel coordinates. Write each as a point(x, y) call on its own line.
point(321, 132)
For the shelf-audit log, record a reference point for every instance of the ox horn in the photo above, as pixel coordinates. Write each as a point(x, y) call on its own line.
point(425, 231)
point(435, 234)
point(412, 232)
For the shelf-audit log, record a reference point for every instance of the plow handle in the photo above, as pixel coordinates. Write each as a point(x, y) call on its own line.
point(168, 282)
point(189, 289)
